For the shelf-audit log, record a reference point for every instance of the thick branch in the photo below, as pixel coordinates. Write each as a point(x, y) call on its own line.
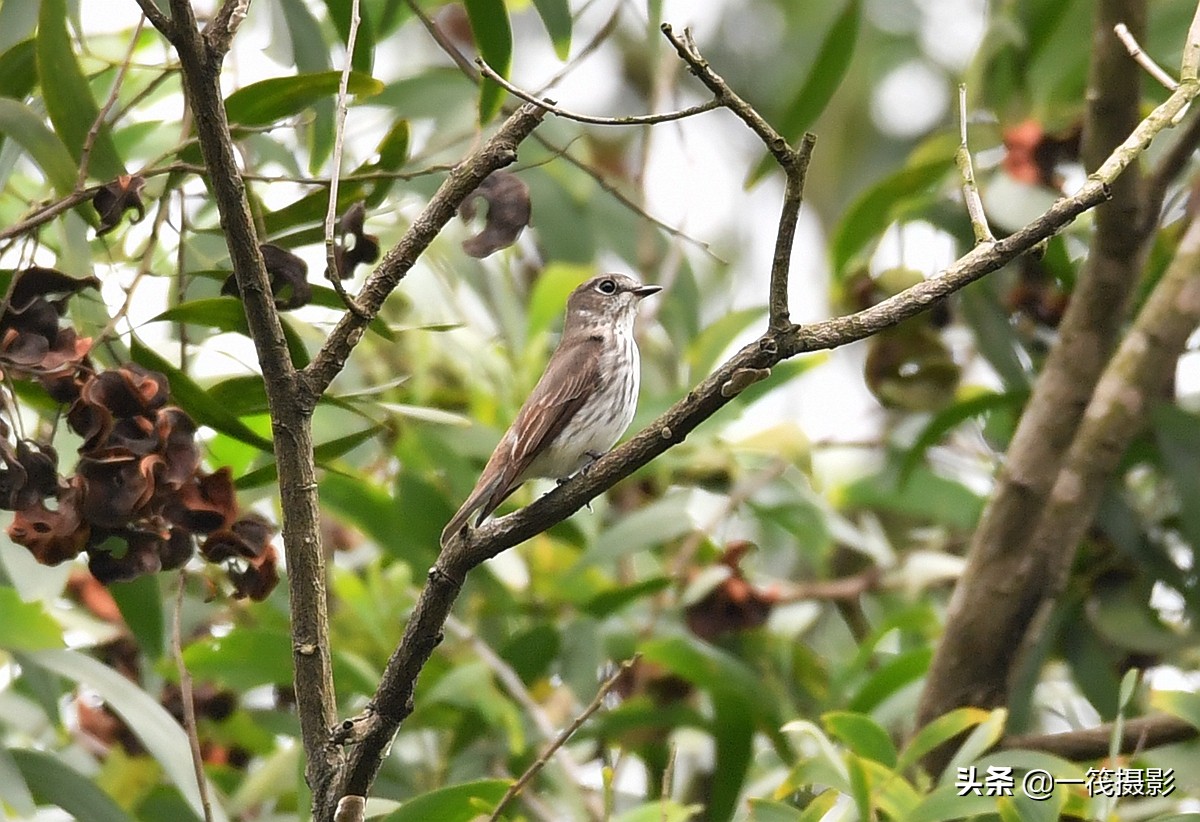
point(1092, 743)
point(499, 151)
point(289, 415)
point(977, 649)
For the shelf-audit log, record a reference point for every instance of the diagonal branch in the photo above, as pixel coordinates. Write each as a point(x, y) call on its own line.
point(367, 736)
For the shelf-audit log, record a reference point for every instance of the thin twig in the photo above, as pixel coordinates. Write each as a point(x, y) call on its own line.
point(1143, 59)
point(794, 163)
point(331, 269)
point(472, 74)
point(962, 158)
point(186, 698)
point(631, 120)
point(85, 155)
point(512, 683)
point(539, 763)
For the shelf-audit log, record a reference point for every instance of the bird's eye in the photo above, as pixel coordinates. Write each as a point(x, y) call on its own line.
point(606, 287)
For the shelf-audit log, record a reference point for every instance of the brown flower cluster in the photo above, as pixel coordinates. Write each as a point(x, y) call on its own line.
point(139, 500)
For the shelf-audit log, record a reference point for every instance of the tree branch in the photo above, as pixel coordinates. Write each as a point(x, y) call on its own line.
point(290, 415)
point(1092, 743)
point(631, 120)
point(369, 734)
point(220, 32)
point(157, 19)
point(794, 163)
point(978, 647)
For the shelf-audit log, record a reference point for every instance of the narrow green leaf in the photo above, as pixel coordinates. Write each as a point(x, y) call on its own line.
point(458, 803)
point(950, 418)
point(901, 670)
point(862, 735)
point(44, 147)
point(979, 741)
point(1176, 432)
point(493, 37)
point(705, 350)
point(364, 38)
point(556, 17)
point(195, 400)
point(18, 70)
point(228, 314)
point(393, 148)
point(264, 657)
point(158, 731)
point(68, 98)
point(277, 97)
point(54, 782)
point(765, 810)
point(1183, 704)
point(27, 626)
point(825, 75)
point(940, 730)
point(141, 604)
point(876, 208)
point(14, 792)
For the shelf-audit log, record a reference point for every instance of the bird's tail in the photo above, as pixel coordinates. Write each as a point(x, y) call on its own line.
point(483, 499)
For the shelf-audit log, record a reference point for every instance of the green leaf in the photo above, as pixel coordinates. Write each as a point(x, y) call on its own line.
point(195, 400)
point(923, 496)
point(364, 38)
point(1176, 432)
point(393, 523)
point(614, 599)
point(556, 17)
point(877, 207)
point(824, 77)
point(18, 70)
point(324, 453)
point(862, 735)
point(950, 418)
point(979, 741)
point(945, 804)
point(458, 803)
point(278, 97)
point(44, 147)
point(658, 522)
point(945, 727)
point(493, 37)
point(141, 604)
point(660, 811)
point(228, 314)
point(705, 350)
point(889, 678)
point(765, 810)
point(158, 731)
point(1183, 704)
point(242, 659)
point(393, 148)
point(53, 782)
point(27, 626)
point(68, 98)
point(14, 792)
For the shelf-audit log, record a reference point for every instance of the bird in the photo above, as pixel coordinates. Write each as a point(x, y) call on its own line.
point(579, 408)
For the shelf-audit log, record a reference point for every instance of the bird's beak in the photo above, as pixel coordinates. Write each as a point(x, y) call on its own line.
point(646, 290)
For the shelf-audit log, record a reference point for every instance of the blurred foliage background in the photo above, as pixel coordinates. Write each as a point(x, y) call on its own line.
point(783, 573)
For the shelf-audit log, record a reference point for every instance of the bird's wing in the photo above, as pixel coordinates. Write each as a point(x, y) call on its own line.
point(569, 378)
